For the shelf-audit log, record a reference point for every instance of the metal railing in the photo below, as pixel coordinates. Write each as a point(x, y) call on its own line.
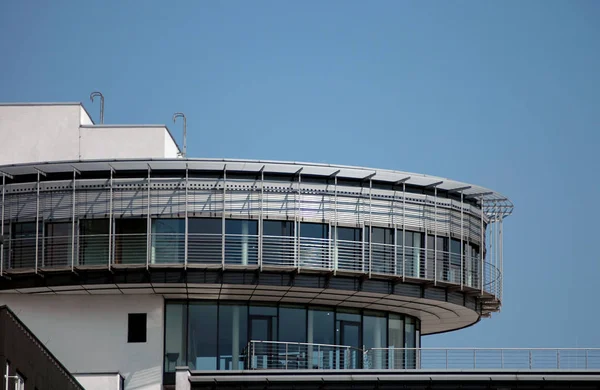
point(239, 249)
point(483, 358)
point(264, 355)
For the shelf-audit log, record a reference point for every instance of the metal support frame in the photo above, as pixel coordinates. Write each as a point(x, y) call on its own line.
point(336, 222)
point(370, 224)
point(185, 238)
point(481, 247)
point(148, 223)
point(404, 231)
point(261, 218)
point(110, 220)
point(37, 219)
point(501, 246)
point(297, 219)
point(223, 216)
point(2, 226)
point(73, 217)
point(462, 247)
point(435, 228)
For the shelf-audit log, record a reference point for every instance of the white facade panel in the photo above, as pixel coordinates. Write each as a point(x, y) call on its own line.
point(39, 133)
point(89, 333)
point(99, 381)
point(122, 142)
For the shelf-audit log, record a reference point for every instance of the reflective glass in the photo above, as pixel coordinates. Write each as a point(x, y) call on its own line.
point(292, 324)
point(278, 228)
point(202, 336)
point(314, 230)
point(57, 244)
point(241, 241)
point(130, 241)
point(410, 342)
point(395, 358)
point(205, 240)
point(93, 241)
point(348, 251)
point(22, 249)
point(233, 330)
point(382, 250)
point(313, 250)
point(175, 335)
point(375, 336)
point(168, 240)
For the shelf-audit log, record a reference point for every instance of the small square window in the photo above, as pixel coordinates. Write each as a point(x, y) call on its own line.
point(136, 328)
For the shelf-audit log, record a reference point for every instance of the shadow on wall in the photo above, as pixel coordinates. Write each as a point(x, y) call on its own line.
point(149, 379)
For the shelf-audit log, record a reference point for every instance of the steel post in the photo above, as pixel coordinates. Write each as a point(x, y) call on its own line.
point(481, 248)
point(261, 218)
point(73, 223)
point(462, 246)
point(2, 226)
point(404, 232)
point(185, 238)
point(223, 217)
point(370, 226)
point(37, 221)
point(148, 223)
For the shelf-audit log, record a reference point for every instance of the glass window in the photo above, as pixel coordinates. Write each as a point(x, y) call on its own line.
point(347, 328)
point(202, 336)
point(241, 241)
point(175, 335)
point(395, 358)
point(278, 228)
point(57, 244)
point(168, 240)
point(130, 241)
point(349, 234)
point(349, 248)
point(263, 323)
point(292, 324)
point(233, 330)
point(93, 241)
point(410, 342)
point(320, 330)
point(375, 336)
point(314, 230)
point(205, 240)
point(22, 253)
point(382, 250)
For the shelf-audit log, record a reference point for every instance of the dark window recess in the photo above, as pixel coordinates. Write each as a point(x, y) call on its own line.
point(136, 328)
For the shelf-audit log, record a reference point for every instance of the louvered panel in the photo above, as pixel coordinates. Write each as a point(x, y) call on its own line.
point(348, 210)
point(92, 203)
point(166, 202)
point(414, 217)
point(381, 210)
point(313, 206)
point(280, 204)
point(22, 206)
point(130, 201)
point(56, 204)
point(243, 202)
point(205, 201)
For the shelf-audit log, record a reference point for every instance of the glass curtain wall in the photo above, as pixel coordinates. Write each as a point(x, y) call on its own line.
point(314, 248)
point(57, 244)
point(93, 241)
point(382, 249)
point(205, 240)
point(168, 240)
point(412, 246)
point(278, 243)
point(130, 240)
point(241, 241)
point(348, 248)
point(202, 336)
point(375, 337)
point(22, 245)
point(233, 330)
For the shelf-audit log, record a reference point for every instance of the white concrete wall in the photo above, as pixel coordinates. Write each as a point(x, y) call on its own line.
point(38, 133)
point(103, 141)
point(171, 149)
point(85, 117)
point(99, 381)
point(88, 333)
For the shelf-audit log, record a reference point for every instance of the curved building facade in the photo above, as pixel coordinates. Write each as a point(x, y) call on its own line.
point(231, 264)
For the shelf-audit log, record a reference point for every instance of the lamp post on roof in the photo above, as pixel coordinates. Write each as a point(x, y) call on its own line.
point(92, 96)
point(182, 115)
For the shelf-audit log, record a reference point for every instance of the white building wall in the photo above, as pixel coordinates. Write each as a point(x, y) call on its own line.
point(99, 381)
point(88, 333)
point(171, 149)
point(122, 142)
point(38, 133)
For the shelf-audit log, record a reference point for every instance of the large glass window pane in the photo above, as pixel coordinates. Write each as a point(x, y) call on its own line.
point(130, 241)
point(410, 342)
point(233, 330)
point(395, 357)
point(175, 334)
point(320, 330)
point(443, 258)
point(241, 241)
point(204, 240)
point(348, 333)
point(314, 246)
point(168, 240)
point(278, 243)
point(22, 245)
point(348, 249)
point(93, 241)
point(57, 244)
point(292, 324)
point(375, 337)
point(382, 250)
point(202, 336)
point(263, 327)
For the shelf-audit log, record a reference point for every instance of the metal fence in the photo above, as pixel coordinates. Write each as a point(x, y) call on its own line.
point(248, 250)
point(483, 358)
point(301, 356)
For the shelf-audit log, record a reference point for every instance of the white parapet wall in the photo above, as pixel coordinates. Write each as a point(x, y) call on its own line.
point(88, 333)
point(100, 381)
point(41, 132)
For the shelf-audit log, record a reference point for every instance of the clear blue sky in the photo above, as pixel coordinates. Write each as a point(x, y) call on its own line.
point(500, 94)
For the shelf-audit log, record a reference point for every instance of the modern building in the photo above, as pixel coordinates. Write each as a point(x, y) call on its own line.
point(129, 260)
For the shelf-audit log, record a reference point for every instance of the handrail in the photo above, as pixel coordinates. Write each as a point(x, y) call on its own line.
point(286, 251)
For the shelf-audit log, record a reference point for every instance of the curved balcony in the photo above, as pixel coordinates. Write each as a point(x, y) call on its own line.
point(413, 264)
